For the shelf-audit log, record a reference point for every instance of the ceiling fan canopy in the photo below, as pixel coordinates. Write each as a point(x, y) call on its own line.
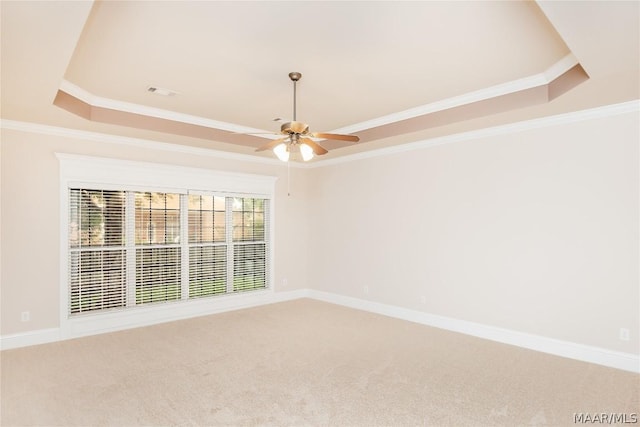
point(297, 135)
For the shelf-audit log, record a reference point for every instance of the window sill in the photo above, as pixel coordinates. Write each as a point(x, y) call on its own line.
point(145, 315)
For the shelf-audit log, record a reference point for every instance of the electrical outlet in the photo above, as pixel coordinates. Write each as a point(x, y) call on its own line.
point(25, 316)
point(285, 282)
point(624, 334)
point(423, 299)
point(365, 289)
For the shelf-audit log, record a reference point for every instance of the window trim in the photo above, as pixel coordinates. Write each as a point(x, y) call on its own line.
point(114, 174)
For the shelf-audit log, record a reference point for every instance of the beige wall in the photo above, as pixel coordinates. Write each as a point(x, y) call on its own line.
point(534, 231)
point(30, 219)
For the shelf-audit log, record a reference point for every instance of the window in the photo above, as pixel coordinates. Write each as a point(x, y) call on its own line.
point(249, 244)
point(131, 248)
point(97, 258)
point(207, 245)
point(157, 247)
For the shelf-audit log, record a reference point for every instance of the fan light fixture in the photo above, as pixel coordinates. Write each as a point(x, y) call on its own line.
point(282, 151)
point(306, 152)
point(297, 134)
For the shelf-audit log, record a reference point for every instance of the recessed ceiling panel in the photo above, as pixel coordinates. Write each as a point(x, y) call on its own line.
point(228, 61)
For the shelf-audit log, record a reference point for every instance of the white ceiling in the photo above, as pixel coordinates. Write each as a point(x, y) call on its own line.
point(377, 69)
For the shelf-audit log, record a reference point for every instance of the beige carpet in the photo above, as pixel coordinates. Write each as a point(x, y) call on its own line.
point(301, 363)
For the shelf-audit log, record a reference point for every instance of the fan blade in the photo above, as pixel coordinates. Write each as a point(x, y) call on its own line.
point(350, 138)
point(317, 149)
point(271, 144)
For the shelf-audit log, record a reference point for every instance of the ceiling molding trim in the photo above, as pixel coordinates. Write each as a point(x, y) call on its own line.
point(560, 119)
point(560, 67)
point(111, 104)
point(513, 86)
point(134, 142)
point(590, 114)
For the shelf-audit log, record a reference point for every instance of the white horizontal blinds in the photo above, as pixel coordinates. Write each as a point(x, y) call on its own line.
point(130, 248)
point(207, 245)
point(157, 246)
point(97, 261)
point(250, 242)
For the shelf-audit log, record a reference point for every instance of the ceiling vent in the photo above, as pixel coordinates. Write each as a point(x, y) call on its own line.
point(161, 91)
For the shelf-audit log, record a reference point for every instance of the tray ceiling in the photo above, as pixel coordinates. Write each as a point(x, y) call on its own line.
point(391, 72)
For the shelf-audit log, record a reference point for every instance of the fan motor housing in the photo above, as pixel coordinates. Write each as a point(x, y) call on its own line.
point(294, 128)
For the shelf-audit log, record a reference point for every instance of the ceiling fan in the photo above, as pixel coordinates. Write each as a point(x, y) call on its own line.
point(297, 134)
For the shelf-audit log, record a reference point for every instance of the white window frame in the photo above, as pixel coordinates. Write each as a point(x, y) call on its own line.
point(113, 174)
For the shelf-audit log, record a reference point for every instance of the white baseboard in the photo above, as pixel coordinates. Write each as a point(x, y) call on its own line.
point(153, 314)
point(145, 316)
point(101, 324)
point(25, 339)
point(585, 353)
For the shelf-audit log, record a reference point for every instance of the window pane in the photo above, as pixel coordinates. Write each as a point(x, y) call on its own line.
point(258, 226)
point(157, 275)
point(195, 226)
point(249, 267)
point(157, 218)
point(206, 219)
point(97, 280)
point(219, 227)
point(96, 218)
point(238, 226)
point(207, 271)
point(219, 203)
point(248, 219)
point(172, 201)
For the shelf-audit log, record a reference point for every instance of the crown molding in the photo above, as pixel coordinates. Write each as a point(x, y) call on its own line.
point(559, 119)
point(135, 142)
point(128, 107)
point(559, 68)
point(588, 114)
point(513, 86)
